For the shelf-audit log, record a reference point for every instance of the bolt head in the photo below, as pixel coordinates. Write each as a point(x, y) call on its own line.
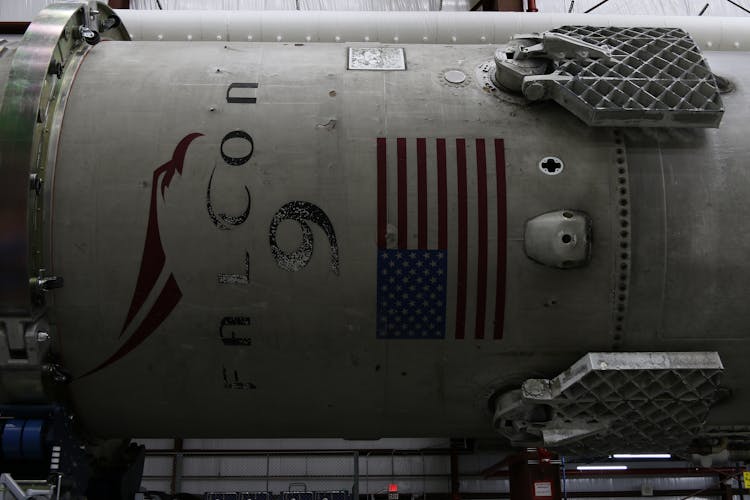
point(35, 183)
point(534, 91)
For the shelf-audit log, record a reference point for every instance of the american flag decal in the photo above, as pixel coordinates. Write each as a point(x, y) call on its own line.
point(441, 211)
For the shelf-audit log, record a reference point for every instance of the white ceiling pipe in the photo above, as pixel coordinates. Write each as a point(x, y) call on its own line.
point(711, 33)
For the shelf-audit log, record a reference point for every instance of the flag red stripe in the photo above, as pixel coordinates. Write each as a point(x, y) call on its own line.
point(382, 194)
point(481, 239)
point(462, 238)
point(422, 194)
point(442, 181)
point(501, 237)
point(402, 194)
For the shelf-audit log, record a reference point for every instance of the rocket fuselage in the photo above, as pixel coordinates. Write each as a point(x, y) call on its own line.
point(257, 241)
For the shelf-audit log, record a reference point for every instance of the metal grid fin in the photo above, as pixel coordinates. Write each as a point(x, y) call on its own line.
point(655, 77)
point(609, 402)
point(642, 408)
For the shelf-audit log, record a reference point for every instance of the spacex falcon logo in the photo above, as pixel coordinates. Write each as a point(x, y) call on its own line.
point(152, 266)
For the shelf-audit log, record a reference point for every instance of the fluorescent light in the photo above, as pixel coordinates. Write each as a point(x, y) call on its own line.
point(641, 455)
point(602, 467)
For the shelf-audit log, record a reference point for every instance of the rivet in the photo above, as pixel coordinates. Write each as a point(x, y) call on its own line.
point(35, 183)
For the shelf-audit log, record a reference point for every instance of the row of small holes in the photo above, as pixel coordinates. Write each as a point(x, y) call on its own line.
point(485, 79)
point(623, 262)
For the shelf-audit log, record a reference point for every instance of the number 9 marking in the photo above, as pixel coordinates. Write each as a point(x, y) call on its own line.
point(302, 212)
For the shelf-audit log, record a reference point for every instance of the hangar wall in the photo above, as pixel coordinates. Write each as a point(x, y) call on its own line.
point(421, 469)
point(275, 465)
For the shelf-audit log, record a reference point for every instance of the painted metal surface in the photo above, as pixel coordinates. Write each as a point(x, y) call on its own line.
point(304, 303)
point(35, 79)
point(24, 107)
point(31, 94)
point(223, 256)
point(711, 33)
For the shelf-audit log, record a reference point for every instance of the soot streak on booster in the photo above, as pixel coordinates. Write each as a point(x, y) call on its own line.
point(302, 212)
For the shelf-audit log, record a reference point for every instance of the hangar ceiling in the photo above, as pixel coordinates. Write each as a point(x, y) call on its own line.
point(23, 10)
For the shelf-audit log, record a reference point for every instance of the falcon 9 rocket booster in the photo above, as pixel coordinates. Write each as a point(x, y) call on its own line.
point(234, 239)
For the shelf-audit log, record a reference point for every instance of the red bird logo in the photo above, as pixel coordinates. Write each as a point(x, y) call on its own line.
point(152, 265)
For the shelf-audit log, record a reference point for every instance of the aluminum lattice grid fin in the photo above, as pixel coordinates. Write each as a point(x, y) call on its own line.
point(609, 402)
point(654, 77)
